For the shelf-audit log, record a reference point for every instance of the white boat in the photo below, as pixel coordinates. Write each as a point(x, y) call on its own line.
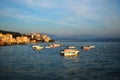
point(37, 47)
point(55, 45)
point(47, 47)
point(87, 47)
point(70, 51)
point(92, 46)
point(71, 47)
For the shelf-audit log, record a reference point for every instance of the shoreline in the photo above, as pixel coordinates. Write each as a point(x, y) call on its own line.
point(9, 38)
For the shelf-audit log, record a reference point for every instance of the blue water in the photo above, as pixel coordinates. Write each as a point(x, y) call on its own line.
point(21, 62)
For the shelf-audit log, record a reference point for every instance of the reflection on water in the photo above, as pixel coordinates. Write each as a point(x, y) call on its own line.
point(23, 63)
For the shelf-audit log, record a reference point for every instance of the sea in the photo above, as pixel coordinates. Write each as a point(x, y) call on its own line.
point(21, 62)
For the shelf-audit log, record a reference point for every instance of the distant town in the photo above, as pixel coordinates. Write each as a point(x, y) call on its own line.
point(11, 38)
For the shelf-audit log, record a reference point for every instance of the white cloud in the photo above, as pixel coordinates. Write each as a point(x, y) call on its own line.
point(71, 12)
point(15, 13)
point(96, 10)
point(36, 4)
point(21, 15)
point(29, 18)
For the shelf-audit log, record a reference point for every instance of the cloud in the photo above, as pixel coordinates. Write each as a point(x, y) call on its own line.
point(15, 13)
point(22, 15)
point(82, 8)
point(36, 4)
point(101, 10)
point(90, 9)
point(86, 15)
point(28, 18)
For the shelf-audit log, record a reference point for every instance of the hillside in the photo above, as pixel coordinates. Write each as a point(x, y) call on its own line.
point(15, 34)
point(10, 38)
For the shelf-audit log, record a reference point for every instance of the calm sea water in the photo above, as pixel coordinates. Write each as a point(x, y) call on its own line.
point(21, 62)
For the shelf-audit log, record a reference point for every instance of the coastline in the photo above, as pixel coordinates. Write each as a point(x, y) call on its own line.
point(10, 38)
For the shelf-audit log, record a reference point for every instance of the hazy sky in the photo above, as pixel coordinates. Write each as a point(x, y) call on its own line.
point(61, 17)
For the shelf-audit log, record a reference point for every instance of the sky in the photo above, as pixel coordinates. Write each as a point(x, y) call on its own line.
point(61, 17)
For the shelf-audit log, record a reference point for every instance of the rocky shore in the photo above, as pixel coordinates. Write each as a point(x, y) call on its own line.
point(8, 38)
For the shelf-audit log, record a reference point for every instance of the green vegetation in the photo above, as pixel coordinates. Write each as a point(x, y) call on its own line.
point(15, 34)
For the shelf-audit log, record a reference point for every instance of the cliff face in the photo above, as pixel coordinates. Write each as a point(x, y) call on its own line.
point(9, 38)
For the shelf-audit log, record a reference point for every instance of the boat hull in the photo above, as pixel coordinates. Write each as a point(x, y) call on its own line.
point(37, 47)
point(87, 47)
point(70, 53)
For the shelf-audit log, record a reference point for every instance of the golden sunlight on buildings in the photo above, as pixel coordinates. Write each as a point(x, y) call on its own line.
point(7, 39)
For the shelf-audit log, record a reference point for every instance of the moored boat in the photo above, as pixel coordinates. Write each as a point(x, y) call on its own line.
point(55, 45)
point(47, 46)
point(70, 51)
point(37, 47)
point(71, 47)
point(92, 46)
point(87, 47)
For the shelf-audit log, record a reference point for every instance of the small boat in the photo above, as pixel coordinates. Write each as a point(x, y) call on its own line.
point(37, 47)
point(71, 47)
point(70, 51)
point(55, 45)
point(47, 46)
point(92, 46)
point(87, 47)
